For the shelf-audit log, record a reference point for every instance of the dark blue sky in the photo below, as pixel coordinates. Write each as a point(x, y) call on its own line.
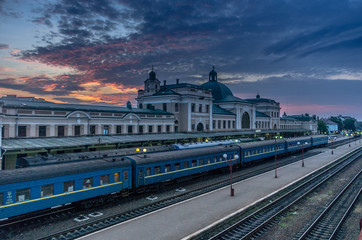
point(304, 54)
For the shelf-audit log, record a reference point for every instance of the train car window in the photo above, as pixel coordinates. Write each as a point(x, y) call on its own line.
point(68, 186)
point(208, 160)
point(104, 179)
point(1, 199)
point(125, 176)
point(193, 163)
point(201, 161)
point(215, 159)
point(186, 164)
point(87, 182)
point(116, 177)
point(22, 195)
point(148, 171)
point(47, 190)
point(177, 166)
point(168, 168)
point(157, 170)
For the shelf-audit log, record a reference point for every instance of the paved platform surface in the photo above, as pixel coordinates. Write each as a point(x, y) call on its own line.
point(182, 220)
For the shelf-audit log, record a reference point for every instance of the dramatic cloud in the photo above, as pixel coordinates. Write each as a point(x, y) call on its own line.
point(283, 49)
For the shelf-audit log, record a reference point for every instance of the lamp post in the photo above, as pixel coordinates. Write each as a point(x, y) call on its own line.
point(332, 145)
point(231, 171)
point(99, 148)
point(275, 149)
point(302, 152)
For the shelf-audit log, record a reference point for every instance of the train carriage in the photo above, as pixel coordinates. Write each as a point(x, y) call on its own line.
point(159, 167)
point(319, 140)
point(297, 144)
point(35, 188)
point(257, 150)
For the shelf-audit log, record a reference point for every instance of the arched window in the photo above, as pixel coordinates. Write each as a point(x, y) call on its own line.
point(245, 121)
point(200, 127)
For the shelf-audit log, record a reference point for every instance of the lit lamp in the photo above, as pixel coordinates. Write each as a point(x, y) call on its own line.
point(144, 150)
point(303, 152)
point(231, 171)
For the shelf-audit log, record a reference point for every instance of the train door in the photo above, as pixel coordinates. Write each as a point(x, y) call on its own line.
point(125, 180)
point(141, 177)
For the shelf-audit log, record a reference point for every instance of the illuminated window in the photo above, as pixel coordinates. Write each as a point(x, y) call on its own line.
point(157, 170)
point(125, 176)
point(177, 166)
point(193, 163)
point(168, 168)
point(116, 177)
point(1, 199)
point(148, 171)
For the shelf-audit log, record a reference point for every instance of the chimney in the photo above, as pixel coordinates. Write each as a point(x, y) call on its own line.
point(177, 81)
point(164, 83)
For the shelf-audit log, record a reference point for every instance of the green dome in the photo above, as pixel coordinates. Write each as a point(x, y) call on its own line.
point(219, 90)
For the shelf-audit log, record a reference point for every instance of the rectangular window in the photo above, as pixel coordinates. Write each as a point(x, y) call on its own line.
point(159, 129)
point(201, 161)
point(60, 131)
point(164, 107)
point(177, 166)
point(130, 129)
point(208, 160)
point(193, 107)
point(1, 199)
point(213, 124)
point(168, 168)
point(125, 176)
point(168, 128)
point(22, 131)
point(68, 186)
point(200, 108)
point(224, 124)
point(42, 131)
point(92, 130)
point(116, 177)
point(193, 163)
point(229, 124)
point(215, 159)
point(233, 124)
point(148, 171)
point(105, 130)
point(219, 124)
point(176, 107)
point(47, 190)
point(207, 108)
point(104, 179)
point(23, 195)
point(157, 170)
point(119, 129)
point(87, 182)
point(150, 130)
point(76, 130)
point(186, 164)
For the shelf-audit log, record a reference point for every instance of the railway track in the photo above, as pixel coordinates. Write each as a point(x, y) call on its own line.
point(259, 221)
point(95, 225)
point(327, 224)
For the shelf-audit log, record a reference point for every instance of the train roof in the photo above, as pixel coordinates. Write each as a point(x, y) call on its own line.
point(259, 143)
point(319, 136)
point(298, 139)
point(48, 171)
point(176, 155)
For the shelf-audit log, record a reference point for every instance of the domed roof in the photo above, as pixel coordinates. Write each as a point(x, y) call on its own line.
point(219, 90)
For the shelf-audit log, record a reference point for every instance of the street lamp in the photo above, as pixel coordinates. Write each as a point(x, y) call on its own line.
point(302, 152)
point(231, 171)
point(275, 149)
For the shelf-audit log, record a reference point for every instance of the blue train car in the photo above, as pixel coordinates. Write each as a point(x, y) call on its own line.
point(35, 188)
point(160, 167)
point(297, 144)
point(257, 150)
point(319, 140)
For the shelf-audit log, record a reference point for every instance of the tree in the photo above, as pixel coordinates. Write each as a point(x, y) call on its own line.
point(338, 121)
point(349, 124)
point(322, 127)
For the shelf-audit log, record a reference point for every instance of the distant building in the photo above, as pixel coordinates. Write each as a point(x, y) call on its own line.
point(332, 126)
point(299, 122)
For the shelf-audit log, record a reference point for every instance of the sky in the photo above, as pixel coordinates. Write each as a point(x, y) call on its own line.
point(305, 54)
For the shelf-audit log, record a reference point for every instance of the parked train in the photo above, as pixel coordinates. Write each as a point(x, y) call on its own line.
point(31, 189)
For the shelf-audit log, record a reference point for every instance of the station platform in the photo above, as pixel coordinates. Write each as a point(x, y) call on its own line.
point(186, 219)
